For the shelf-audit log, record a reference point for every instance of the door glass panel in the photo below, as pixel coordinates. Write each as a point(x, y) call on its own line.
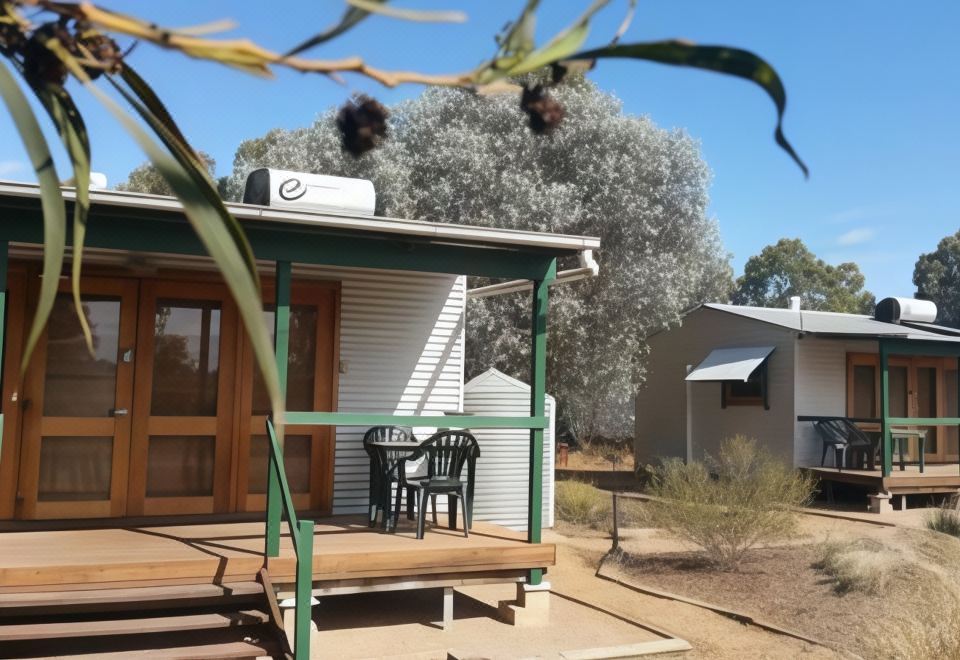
point(950, 432)
point(296, 461)
point(301, 364)
point(864, 391)
point(186, 358)
point(180, 466)
point(74, 469)
point(898, 391)
point(927, 403)
point(78, 384)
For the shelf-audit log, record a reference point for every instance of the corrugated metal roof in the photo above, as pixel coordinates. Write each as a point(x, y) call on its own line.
point(837, 324)
point(440, 231)
point(730, 363)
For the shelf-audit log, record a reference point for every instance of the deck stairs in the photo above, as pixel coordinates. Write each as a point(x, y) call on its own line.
point(231, 620)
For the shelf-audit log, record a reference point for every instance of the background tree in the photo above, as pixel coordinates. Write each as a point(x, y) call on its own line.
point(789, 269)
point(456, 157)
point(146, 178)
point(937, 278)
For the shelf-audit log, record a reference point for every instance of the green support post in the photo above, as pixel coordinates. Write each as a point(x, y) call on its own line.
point(281, 340)
point(304, 593)
point(538, 375)
point(886, 443)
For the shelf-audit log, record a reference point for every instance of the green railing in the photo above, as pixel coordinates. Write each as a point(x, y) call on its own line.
point(280, 501)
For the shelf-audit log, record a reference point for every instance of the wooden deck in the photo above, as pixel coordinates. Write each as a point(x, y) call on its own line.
point(938, 478)
point(346, 552)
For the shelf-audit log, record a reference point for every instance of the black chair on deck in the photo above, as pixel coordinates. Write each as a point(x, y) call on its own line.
point(446, 454)
point(844, 436)
point(386, 469)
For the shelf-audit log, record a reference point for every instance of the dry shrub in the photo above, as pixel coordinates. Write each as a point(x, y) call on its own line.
point(862, 565)
point(926, 632)
point(946, 519)
point(726, 506)
point(580, 503)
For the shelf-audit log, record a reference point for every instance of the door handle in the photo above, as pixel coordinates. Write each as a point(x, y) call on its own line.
point(118, 412)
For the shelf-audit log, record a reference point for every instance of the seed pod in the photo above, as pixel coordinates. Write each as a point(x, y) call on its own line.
point(12, 39)
point(363, 124)
point(40, 64)
point(545, 112)
point(101, 48)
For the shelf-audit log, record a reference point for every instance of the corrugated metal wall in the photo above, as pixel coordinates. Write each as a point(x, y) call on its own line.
point(821, 388)
point(401, 343)
point(502, 471)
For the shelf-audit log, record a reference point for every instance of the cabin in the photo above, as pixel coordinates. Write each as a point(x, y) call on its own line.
point(145, 477)
point(773, 374)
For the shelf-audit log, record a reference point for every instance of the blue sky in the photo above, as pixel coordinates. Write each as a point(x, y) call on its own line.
point(874, 101)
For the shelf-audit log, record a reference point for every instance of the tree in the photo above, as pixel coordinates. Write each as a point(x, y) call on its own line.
point(47, 43)
point(789, 269)
point(937, 278)
point(146, 178)
point(457, 157)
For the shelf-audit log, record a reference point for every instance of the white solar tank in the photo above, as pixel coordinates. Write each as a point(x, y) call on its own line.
point(309, 192)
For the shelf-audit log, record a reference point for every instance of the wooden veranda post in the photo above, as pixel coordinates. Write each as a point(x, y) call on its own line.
point(281, 342)
point(887, 445)
point(538, 376)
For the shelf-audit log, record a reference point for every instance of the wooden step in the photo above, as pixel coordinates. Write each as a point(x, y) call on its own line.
point(107, 599)
point(245, 642)
point(131, 626)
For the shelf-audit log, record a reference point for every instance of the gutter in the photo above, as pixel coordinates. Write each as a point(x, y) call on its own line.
point(588, 268)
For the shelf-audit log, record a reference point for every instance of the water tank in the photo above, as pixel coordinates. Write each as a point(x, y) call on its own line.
point(309, 192)
point(894, 310)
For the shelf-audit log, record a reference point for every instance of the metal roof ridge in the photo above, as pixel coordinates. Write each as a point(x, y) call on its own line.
point(386, 224)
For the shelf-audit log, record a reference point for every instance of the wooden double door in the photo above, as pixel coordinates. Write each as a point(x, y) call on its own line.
point(919, 387)
point(166, 415)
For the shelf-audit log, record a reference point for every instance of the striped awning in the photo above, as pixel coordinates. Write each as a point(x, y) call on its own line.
point(724, 364)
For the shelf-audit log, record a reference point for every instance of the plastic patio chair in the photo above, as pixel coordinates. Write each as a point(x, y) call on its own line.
point(843, 436)
point(446, 454)
point(386, 469)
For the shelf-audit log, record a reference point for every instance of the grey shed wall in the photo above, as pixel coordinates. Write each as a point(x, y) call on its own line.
point(661, 408)
point(503, 468)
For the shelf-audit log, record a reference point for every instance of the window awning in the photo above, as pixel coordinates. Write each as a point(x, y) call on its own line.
point(724, 364)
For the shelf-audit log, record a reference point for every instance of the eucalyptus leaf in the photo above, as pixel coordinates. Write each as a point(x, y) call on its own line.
point(51, 201)
point(420, 15)
point(350, 18)
point(207, 219)
point(722, 59)
point(73, 133)
point(562, 45)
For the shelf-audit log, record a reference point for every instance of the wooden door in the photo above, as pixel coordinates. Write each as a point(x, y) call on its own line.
point(311, 385)
point(76, 408)
point(928, 401)
point(183, 403)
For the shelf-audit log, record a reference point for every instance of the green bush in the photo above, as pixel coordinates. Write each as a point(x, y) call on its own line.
point(730, 504)
point(580, 503)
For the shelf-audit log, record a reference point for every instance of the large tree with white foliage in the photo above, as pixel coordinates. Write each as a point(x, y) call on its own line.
point(456, 157)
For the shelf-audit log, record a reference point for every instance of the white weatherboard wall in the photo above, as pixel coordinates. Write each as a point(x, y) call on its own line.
point(401, 348)
point(503, 467)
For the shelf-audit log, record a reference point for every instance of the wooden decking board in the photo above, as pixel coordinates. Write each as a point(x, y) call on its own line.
point(344, 548)
point(937, 478)
point(136, 626)
point(12, 603)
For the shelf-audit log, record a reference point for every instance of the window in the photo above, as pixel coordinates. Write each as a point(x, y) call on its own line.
point(751, 392)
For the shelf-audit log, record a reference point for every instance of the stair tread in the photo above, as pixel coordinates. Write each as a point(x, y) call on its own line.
point(236, 649)
point(128, 594)
point(132, 626)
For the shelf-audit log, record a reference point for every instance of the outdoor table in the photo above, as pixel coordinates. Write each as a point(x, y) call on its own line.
point(393, 454)
point(900, 436)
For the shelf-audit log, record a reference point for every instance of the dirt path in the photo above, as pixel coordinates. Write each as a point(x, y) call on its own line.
point(712, 635)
